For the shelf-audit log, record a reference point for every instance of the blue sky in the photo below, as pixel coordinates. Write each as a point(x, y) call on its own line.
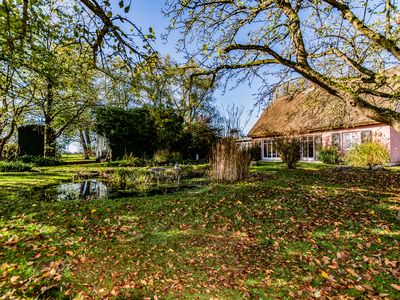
point(146, 13)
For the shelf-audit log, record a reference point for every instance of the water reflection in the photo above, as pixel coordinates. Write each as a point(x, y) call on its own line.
point(85, 190)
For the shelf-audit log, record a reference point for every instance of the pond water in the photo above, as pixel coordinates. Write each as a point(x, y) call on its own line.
point(84, 190)
point(96, 189)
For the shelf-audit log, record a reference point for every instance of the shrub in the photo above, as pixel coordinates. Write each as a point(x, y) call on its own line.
point(229, 162)
point(161, 157)
point(40, 161)
point(128, 131)
point(175, 157)
point(288, 148)
point(10, 151)
point(195, 171)
point(255, 152)
point(132, 161)
point(14, 166)
point(329, 155)
point(368, 155)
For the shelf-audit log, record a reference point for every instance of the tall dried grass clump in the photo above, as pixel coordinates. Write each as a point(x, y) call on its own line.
point(229, 162)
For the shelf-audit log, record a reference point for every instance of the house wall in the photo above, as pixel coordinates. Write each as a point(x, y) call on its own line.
point(380, 133)
point(383, 133)
point(394, 145)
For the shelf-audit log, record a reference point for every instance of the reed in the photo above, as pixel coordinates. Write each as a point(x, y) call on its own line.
point(229, 162)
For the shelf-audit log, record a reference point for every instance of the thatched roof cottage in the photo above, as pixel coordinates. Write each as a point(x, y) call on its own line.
point(320, 121)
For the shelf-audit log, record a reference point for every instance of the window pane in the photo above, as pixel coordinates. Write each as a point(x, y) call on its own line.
point(310, 147)
point(269, 150)
point(265, 148)
point(350, 140)
point(366, 136)
point(336, 140)
point(274, 153)
point(318, 141)
point(318, 145)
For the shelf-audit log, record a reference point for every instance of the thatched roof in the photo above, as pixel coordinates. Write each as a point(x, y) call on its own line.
point(309, 111)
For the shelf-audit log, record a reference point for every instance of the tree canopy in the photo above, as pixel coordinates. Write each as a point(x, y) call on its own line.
point(50, 54)
point(349, 48)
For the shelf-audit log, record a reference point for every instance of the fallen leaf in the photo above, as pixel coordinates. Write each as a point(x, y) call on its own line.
point(326, 260)
point(351, 272)
point(395, 286)
point(359, 288)
point(324, 274)
point(317, 294)
point(14, 279)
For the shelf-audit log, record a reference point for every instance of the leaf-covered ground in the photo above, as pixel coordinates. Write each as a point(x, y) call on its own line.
point(315, 232)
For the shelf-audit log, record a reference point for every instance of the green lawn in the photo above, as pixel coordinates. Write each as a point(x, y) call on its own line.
point(70, 158)
point(314, 232)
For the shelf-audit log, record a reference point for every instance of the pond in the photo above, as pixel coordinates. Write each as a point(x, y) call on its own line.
point(84, 190)
point(97, 189)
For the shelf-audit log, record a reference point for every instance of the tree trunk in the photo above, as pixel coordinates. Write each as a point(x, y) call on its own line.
point(4, 140)
point(49, 138)
point(2, 144)
point(85, 142)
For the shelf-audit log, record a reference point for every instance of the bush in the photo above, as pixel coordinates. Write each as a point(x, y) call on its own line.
point(132, 161)
point(128, 131)
point(10, 151)
point(229, 162)
point(255, 152)
point(14, 166)
point(195, 171)
point(288, 148)
point(329, 155)
point(175, 157)
point(161, 157)
point(40, 161)
point(368, 155)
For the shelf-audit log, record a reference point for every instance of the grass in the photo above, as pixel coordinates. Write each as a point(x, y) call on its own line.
point(288, 234)
point(73, 157)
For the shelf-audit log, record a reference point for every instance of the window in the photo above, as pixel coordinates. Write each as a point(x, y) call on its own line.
point(350, 140)
point(270, 149)
point(307, 148)
point(318, 145)
point(366, 136)
point(336, 140)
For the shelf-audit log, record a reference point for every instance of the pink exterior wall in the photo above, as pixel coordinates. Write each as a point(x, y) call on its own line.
point(382, 133)
point(394, 145)
point(379, 133)
point(385, 134)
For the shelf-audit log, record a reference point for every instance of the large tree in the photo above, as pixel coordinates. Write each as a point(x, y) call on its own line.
point(103, 24)
point(349, 48)
point(48, 50)
point(16, 90)
point(162, 82)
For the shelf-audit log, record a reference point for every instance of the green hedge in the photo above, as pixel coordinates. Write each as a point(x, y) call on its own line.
point(40, 161)
point(14, 166)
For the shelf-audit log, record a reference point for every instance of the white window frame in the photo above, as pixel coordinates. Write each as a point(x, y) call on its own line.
point(307, 138)
point(265, 146)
